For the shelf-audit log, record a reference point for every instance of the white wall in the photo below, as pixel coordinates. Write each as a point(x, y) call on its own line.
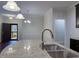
point(34, 29)
point(48, 24)
point(69, 15)
point(67, 30)
point(48, 19)
point(59, 13)
point(0, 26)
point(26, 31)
point(72, 31)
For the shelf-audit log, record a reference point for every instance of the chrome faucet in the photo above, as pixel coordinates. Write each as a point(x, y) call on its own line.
point(43, 38)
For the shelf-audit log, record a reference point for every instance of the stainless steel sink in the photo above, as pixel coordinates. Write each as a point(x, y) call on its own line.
point(59, 52)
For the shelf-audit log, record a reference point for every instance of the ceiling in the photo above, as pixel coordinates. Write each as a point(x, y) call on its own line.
point(38, 7)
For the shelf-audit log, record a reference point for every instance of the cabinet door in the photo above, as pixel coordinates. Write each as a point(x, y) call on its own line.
point(74, 44)
point(6, 32)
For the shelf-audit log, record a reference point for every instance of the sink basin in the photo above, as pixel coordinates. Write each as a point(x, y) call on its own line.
point(53, 47)
point(56, 51)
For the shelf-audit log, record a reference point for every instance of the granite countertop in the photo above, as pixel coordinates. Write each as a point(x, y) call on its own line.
point(25, 49)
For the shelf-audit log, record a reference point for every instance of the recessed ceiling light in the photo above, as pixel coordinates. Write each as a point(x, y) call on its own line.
point(10, 17)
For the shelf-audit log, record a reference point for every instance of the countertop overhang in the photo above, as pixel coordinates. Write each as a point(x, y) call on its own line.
point(25, 49)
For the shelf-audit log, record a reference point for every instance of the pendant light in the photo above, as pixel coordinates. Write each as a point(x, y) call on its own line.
point(20, 15)
point(11, 6)
point(27, 20)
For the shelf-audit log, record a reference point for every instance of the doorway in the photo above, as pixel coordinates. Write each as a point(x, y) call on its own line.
point(60, 32)
point(9, 32)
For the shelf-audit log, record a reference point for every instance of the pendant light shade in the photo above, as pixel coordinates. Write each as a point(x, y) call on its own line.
point(11, 6)
point(20, 16)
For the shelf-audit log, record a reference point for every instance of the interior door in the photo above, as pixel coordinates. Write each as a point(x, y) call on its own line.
point(6, 30)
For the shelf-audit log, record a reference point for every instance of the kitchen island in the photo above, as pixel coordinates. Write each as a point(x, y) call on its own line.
point(25, 49)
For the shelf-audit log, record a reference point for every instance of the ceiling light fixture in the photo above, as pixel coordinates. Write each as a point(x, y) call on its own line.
point(27, 20)
point(11, 6)
point(10, 17)
point(20, 16)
